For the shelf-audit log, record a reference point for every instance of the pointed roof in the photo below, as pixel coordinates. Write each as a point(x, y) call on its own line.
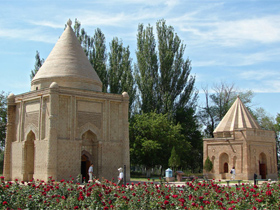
point(67, 65)
point(237, 117)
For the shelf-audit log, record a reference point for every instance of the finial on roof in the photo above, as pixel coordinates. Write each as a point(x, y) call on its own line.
point(69, 22)
point(238, 96)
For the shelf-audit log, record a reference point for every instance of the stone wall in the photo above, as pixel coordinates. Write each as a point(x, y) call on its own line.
point(16, 161)
point(68, 159)
point(40, 163)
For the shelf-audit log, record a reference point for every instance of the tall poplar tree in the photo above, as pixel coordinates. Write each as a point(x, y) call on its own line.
point(163, 76)
point(147, 70)
point(98, 57)
point(120, 77)
point(175, 82)
point(38, 63)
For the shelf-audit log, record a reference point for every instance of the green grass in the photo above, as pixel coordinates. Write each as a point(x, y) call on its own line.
point(143, 179)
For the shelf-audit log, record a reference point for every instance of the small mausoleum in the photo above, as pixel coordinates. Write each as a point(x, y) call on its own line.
point(239, 141)
point(65, 122)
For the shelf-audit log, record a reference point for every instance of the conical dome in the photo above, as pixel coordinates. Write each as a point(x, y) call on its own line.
point(237, 117)
point(67, 65)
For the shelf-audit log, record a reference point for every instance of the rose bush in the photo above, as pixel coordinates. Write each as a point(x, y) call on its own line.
point(107, 195)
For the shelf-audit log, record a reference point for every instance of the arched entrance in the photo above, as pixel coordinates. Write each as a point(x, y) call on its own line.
point(262, 165)
point(223, 165)
point(89, 153)
point(28, 157)
point(85, 164)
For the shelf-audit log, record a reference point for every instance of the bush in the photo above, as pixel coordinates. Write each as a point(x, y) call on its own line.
point(107, 195)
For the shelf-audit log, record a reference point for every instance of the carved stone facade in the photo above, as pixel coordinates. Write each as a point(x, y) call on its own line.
point(59, 130)
point(240, 142)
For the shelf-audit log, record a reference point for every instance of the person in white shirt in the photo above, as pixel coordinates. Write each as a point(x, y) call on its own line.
point(90, 172)
point(232, 171)
point(120, 177)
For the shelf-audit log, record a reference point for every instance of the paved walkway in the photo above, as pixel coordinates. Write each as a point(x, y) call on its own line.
point(222, 182)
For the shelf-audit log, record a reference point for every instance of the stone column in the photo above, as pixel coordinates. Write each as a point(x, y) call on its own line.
point(52, 131)
point(10, 135)
point(24, 163)
point(126, 155)
point(246, 159)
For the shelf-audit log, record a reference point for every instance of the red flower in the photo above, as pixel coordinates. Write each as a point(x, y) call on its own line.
point(268, 193)
point(167, 197)
point(5, 203)
point(76, 207)
point(166, 202)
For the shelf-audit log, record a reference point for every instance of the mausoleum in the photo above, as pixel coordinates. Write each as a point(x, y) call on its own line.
point(239, 141)
point(65, 122)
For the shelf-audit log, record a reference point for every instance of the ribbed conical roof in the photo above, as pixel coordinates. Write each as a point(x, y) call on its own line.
point(237, 117)
point(67, 65)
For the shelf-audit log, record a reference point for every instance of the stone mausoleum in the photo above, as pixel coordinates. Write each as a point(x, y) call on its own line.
point(66, 122)
point(239, 141)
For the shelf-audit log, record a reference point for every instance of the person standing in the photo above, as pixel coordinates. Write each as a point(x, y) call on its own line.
point(120, 178)
point(232, 171)
point(90, 172)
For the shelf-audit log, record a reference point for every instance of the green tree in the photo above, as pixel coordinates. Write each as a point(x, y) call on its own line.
point(266, 121)
point(175, 82)
point(146, 70)
point(120, 76)
point(3, 118)
point(38, 63)
point(166, 86)
point(174, 160)
point(190, 158)
point(152, 136)
point(163, 77)
point(98, 57)
point(208, 165)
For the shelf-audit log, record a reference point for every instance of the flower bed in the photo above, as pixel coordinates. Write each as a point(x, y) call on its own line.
point(106, 195)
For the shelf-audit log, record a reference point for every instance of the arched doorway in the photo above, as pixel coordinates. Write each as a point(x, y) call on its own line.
point(262, 165)
point(28, 157)
point(223, 165)
point(85, 164)
point(89, 153)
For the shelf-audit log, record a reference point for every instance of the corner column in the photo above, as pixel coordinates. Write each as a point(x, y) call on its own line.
point(52, 132)
point(126, 154)
point(10, 134)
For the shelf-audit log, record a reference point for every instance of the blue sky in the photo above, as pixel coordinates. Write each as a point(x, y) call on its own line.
point(232, 41)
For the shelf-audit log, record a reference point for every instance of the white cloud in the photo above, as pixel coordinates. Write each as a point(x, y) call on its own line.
point(232, 33)
point(46, 23)
point(27, 34)
point(259, 74)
